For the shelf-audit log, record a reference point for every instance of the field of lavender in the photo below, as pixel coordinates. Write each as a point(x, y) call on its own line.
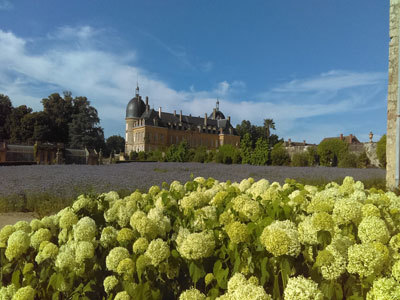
point(23, 188)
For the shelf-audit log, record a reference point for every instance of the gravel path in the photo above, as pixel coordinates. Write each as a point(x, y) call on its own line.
point(69, 180)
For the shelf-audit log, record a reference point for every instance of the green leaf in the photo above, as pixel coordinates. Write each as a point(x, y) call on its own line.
point(55, 295)
point(196, 272)
point(175, 253)
point(285, 271)
point(16, 278)
point(276, 293)
point(264, 272)
point(338, 291)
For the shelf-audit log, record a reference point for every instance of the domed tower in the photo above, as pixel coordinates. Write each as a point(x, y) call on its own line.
point(217, 114)
point(134, 110)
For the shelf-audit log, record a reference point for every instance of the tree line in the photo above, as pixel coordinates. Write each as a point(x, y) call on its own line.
point(64, 119)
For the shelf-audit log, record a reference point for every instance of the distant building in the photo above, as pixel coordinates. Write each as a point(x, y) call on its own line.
point(350, 139)
point(147, 129)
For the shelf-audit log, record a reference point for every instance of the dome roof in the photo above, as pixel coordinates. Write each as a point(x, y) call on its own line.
point(135, 108)
point(218, 115)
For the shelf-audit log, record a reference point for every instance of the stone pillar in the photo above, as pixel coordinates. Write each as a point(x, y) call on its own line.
point(393, 90)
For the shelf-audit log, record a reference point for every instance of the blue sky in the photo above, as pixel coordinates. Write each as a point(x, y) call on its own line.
point(317, 67)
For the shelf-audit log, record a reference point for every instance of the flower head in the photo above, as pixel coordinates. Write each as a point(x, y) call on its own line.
point(5, 233)
point(367, 259)
point(67, 218)
point(281, 238)
point(192, 294)
point(373, 229)
point(84, 250)
point(43, 234)
point(85, 229)
point(115, 256)
point(237, 232)
point(157, 251)
point(195, 245)
point(301, 288)
point(384, 288)
point(140, 245)
point(109, 283)
point(17, 244)
point(24, 293)
point(108, 237)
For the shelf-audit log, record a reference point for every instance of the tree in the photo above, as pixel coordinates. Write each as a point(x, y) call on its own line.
point(348, 160)
point(116, 143)
point(83, 128)
point(330, 151)
point(17, 133)
point(260, 153)
point(5, 113)
point(246, 148)
point(59, 111)
point(268, 125)
point(300, 159)
point(381, 151)
point(279, 155)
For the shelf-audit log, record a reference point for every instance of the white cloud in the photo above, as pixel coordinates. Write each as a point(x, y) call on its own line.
point(108, 79)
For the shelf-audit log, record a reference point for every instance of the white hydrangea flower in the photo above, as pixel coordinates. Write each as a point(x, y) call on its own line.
point(115, 256)
point(84, 250)
point(83, 202)
point(192, 294)
point(109, 283)
point(48, 251)
point(108, 237)
point(36, 224)
point(308, 232)
point(323, 201)
point(245, 184)
point(237, 232)
point(18, 244)
point(258, 188)
point(301, 288)
point(5, 233)
point(331, 263)
point(24, 293)
point(281, 238)
point(195, 245)
point(7, 292)
point(367, 259)
point(248, 209)
point(122, 296)
point(384, 288)
point(347, 210)
point(67, 218)
point(157, 251)
point(42, 234)
point(396, 270)
point(373, 229)
point(140, 245)
point(85, 229)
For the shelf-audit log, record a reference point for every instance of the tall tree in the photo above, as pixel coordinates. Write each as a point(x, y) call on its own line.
point(5, 113)
point(116, 143)
point(17, 133)
point(59, 111)
point(268, 125)
point(84, 129)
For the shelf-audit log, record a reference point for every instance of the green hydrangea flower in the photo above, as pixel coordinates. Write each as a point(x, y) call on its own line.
point(42, 234)
point(23, 226)
point(237, 232)
point(384, 288)
point(301, 288)
point(115, 256)
point(85, 230)
point(373, 229)
point(18, 244)
point(195, 246)
point(347, 210)
point(140, 245)
point(331, 263)
point(157, 251)
point(192, 294)
point(125, 236)
point(24, 293)
point(67, 218)
point(5, 233)
point(109, 283)
point(122, 296)
point(281, 238)
point(108, 237)
point(84, 250)
point(126, 267)
point(47, 250)
point(7, 292)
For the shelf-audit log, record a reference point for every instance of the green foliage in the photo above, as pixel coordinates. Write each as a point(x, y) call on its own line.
point(348, 160)
point(260, 153)
point(178, 153)
point(5, 113)
point(133, 155)
point(142, 156)
point(246, 148)
point(313, 158)
point(280, 156)
point(251, 239)
point(381, 151)
point(227, 154)
point(116, 143)
point(200, 154)
point(300, 159)
point(363, 160)
point(330, 151)
point(256, 132)
point(155, 155)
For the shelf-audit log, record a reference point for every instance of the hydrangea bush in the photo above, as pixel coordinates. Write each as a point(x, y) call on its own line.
point(210, 240)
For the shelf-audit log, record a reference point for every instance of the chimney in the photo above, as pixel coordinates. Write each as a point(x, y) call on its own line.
point(229, 119)
point(214, 113)
point(159, 112)
point(174, 113)
point(351, 138)
point(147, 103)
point(205, 119)
point(180, 116)
point(341, 136)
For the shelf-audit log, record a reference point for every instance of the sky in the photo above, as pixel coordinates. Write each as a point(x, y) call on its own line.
point(318, 68)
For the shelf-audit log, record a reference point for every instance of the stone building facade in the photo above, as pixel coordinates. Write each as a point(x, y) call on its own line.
point(393, 95)
point(148, 129)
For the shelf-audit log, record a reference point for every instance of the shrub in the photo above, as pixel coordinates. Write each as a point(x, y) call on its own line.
point(246, 149)
point(155, 155)
point(330, 151)
point(348, 160)
point(200, 154)
point(178, 153)
point(300, 159)
point(141, 156)
point(280, 156)
point(381, 151)
point(226, 154)
point(313, 158)
point(363, 161)
point(133, 155)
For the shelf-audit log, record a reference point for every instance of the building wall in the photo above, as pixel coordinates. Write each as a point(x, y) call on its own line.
point(393, 89)
point(150, 138)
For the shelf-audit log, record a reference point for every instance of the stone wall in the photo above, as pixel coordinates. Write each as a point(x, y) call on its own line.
point(393, 88)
